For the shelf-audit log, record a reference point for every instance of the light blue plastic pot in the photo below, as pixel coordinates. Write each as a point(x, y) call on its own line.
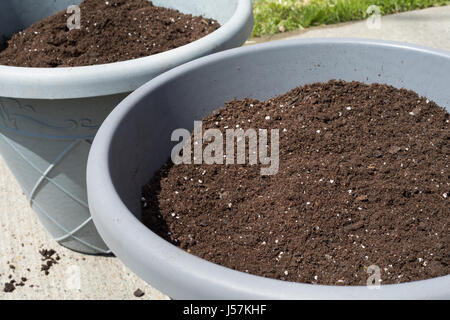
point(134, 142)
point(48, 117)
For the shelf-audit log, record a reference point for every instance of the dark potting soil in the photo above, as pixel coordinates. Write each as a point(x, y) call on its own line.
point(139, 293)
point(50, 258)
point(10, 286)
point(363, 180)
point(111, 31)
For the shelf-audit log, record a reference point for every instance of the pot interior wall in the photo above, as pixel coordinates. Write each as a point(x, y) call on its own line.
point(16, 15)
point(143, 140)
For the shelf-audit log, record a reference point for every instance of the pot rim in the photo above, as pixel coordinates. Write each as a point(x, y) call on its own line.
point(117, 77)
point(175, 271)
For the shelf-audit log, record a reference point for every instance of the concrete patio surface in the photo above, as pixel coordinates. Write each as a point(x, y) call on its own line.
point(77, 276)
point(428, 27)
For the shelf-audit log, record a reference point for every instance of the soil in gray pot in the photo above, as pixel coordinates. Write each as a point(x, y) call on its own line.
point(110, 31)
point(363, 180)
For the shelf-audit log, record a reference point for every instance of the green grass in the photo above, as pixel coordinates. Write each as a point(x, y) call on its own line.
point(273, 16)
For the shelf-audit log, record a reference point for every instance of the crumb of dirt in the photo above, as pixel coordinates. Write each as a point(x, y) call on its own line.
point(9, 287)
point(50, 257)
point(139, 293)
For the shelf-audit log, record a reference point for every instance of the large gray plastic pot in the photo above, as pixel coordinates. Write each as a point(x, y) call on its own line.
point(48, 117)
point(134, 141)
